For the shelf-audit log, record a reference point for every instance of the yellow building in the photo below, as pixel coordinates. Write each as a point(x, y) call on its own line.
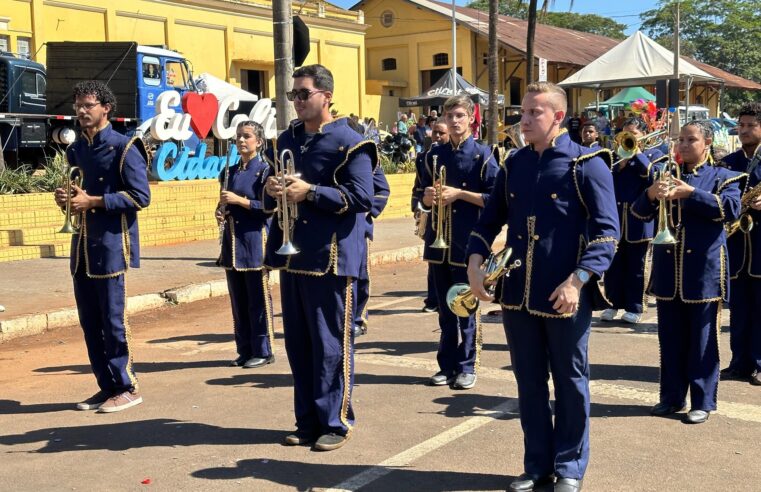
point(231, 39)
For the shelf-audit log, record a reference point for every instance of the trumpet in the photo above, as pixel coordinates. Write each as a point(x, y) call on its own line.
point(287, 212)
point(460, 298)
point(627, 144)
point(745, 222)
point(73, 176)
point(421, 220)
point(223, 208)
point(667, 230)
point(513, 132)
point(438, 209)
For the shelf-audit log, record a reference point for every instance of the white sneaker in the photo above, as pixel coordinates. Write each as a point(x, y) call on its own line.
point(632, 318)
point(608, 315)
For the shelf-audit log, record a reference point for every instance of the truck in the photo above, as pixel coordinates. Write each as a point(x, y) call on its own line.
point(36, 114)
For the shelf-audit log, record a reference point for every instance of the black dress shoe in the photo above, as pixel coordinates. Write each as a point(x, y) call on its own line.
point(755, 379)
point(299, 437)
point(527, 483)
point(329, 442)
point(258, 362)
point(238, 362)
point(730, 374)
point(568, 485)
point(696, 416)
point(662, 409)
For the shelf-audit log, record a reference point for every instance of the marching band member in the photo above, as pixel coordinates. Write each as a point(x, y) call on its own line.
point(744, 247)
point(470, 171)
point(245, 226)
point(333, 183)
point(590, 135)
point(113, 190)
point(552, 193)
point(439, 136)
point(690, 277)
point(625, 279)
point(381, 192)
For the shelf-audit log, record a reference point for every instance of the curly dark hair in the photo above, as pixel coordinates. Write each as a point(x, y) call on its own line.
point(751, 109)
point(98, 89)
point(637, 122)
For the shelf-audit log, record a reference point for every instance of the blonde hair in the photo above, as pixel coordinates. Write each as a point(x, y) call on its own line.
point(460, 100)
point(557, 98)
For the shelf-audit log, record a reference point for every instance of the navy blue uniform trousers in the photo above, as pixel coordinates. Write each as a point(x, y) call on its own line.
point(745, 324)
point(430, 296)
point(317, 319)
point(539, 345)
point(252, 312)
point(688, 336)
point(457, 345)
point(625, 279)
point(101, 303)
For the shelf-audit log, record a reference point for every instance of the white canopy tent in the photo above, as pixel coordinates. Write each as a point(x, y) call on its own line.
point(638, 60)
point(209, 83)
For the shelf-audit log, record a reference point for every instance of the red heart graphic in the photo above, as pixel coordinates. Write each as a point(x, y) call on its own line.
point(202, 109)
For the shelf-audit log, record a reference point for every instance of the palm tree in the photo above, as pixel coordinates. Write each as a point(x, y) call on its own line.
point(493, 120)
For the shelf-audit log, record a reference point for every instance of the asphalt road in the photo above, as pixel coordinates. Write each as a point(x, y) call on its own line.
point(205, 426)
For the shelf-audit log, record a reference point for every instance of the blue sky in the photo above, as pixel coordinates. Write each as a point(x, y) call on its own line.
point(625, 12)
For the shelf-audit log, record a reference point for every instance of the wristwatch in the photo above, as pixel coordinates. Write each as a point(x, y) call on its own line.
point(311, 193)
point(582, 275)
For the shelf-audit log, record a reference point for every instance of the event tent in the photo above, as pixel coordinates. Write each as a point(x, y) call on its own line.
point(628, 95)
point(443, 90)
point(638, 60)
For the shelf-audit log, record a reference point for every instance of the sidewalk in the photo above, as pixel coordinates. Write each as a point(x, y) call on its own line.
point(38, 294)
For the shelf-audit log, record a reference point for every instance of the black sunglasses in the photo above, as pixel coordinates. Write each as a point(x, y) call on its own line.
point(300, 94)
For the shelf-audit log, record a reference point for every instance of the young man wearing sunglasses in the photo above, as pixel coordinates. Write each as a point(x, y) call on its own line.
point(114, 188)
point(332, 184)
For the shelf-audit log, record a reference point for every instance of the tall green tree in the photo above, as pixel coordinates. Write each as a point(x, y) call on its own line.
point(722, 33)
point(591, 23)
point(531, 34)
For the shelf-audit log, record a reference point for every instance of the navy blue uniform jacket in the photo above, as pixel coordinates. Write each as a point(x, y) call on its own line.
point(744, 248)
point(560, 211)
point(246, 229)
point(114, 167)
point(339, 162)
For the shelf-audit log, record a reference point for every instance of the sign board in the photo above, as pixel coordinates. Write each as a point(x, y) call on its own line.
point(202, 113)
point(542, 70)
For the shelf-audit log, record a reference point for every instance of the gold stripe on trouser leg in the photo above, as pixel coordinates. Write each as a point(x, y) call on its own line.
point(128, 336)
point(646, 274)
point(369, 284)
point(268, 309)
point(719, 305)
point(348, 324)
point(479, 341)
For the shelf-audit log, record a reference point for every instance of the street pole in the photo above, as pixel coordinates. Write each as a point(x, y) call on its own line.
point(282, 21)
point(491, 128)
point(454, 50)
point(677, 123)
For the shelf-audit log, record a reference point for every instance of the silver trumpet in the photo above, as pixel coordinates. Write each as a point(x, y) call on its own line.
point(287, 212)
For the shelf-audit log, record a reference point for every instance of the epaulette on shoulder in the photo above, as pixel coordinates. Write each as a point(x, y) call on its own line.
point(730, 177)
point(605, 154)
point(139, 145)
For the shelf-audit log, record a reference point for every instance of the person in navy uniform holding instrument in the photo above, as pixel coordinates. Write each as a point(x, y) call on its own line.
point(557, 200)
point(114, 188)
point(690, 278)
point(244, 229)
point(333, 182)
point(745, 257)
point(439, 136)
point(470, 171)
point(625, 279)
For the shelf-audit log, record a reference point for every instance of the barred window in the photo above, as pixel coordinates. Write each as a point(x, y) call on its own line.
point(440, 59)
point(388, 64)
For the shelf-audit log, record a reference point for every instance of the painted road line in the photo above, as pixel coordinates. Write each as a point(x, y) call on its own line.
point(405, 458)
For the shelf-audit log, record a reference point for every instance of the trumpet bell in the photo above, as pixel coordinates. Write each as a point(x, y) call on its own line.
point(439, 243)
point(68, 228)
point(287, 249)
point(461, 300)
point(664, 237)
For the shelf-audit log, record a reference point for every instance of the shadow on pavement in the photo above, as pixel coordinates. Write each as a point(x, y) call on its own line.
point(260, 380)
point(140, 434)
point(201, 338)
point(611, 372)
point(601, 410)
point(408, 348)
point(471, 405)
point(144, 367)
point(310, 476)
point(12, 407)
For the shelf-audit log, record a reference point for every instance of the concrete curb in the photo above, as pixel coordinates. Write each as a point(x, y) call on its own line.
point(34, 324)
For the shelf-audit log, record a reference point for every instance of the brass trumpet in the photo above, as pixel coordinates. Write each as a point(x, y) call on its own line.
point(667, 230)
point(73, 176)
point(438, 209)
point(287, 212)
point(627, 145)
point(460, 298)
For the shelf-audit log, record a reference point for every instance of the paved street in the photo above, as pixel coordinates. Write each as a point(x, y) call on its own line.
point(205, 426)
